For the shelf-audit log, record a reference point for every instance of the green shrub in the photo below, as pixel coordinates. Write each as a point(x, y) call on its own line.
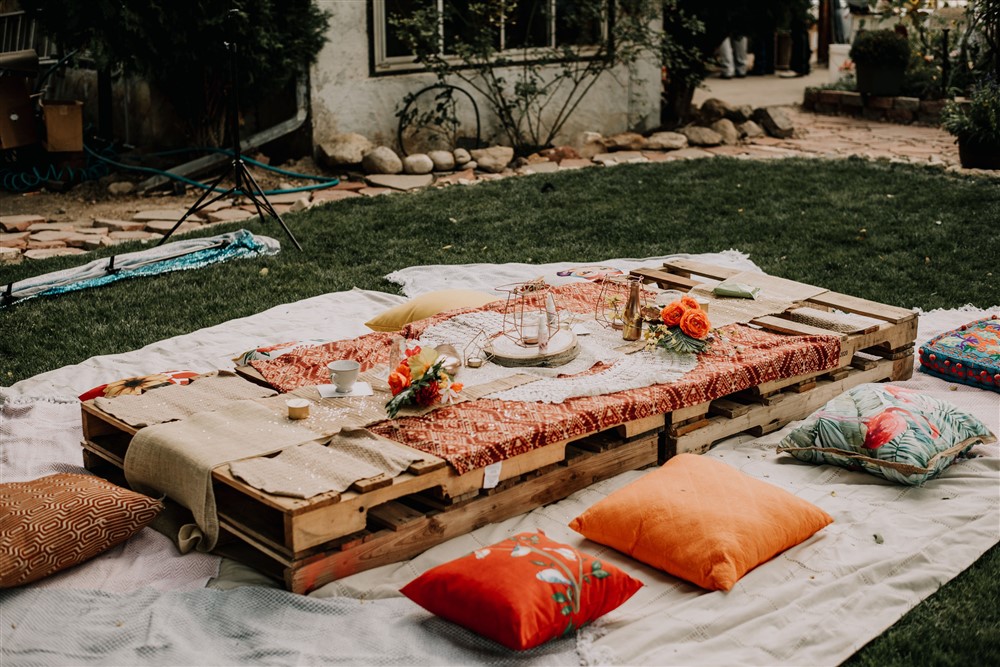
point(979, 118)
point(881, 47)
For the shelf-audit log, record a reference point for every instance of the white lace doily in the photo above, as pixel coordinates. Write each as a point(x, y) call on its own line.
point(597, 344)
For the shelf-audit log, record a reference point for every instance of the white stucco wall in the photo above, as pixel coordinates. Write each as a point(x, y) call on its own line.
point(346, 98)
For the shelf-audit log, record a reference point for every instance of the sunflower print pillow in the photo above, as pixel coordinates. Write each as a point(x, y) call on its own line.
point(886, 430)
point(138, 384)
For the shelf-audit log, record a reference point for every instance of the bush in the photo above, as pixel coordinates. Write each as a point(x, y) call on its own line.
point(977, 120)
point(881, 47)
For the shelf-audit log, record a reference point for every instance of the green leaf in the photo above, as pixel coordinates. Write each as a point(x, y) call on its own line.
point(566, 611)
point(559, 597)
point(595, 566)
point(601, 574)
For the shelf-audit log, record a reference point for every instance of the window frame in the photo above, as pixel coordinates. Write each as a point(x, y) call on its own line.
point(382, 64)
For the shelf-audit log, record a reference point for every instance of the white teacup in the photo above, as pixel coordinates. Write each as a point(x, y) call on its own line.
point(343, 374)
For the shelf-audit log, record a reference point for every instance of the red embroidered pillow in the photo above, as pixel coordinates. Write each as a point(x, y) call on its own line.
point(55, 522)
point(523, 591)
point(138, 384)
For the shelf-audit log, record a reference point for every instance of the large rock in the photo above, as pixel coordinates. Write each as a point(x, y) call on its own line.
point(712, 110)
point(560, 153)
point(590, 144)
point(625, 141)
point(739, 113)
point(418, 164)
point(666, 141)
point(750, 130)
point(18, 223)
point(775, 121)
point(10, 255)
point(382, 160)
point(442, 160)
point(344, 149)
point(727, 131)
point(701, 136)
point(399, 181)
point(462, 157)
point(494, 159)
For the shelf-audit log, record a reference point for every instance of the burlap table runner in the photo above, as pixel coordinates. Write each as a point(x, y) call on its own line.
point(776, 296)
point(177, 458)
point(165, 404)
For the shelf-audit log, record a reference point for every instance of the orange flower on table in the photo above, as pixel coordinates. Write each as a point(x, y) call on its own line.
point(690, 302)
point(399, 379)
point(672, 313)
point(695, 323)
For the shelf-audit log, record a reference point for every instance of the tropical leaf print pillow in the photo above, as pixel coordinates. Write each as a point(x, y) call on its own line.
point(889, 431)
point(523, 591)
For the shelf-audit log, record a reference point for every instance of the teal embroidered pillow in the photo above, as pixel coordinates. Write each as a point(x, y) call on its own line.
point(889, 431)
point(970, 354)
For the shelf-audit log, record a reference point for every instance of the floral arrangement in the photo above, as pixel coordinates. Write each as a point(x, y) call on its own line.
point(685, 327)
point(420, 379)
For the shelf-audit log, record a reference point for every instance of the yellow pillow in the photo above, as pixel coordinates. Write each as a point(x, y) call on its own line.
point(427, 305)
point(701, 520)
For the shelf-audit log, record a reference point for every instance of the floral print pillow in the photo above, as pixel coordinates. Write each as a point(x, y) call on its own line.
point(523, 591)
point(889, 431)
point(969, 354)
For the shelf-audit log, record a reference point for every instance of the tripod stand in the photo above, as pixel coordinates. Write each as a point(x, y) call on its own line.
point(244, 183)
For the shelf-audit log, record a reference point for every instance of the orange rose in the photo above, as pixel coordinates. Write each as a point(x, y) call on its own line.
point(398, 382)
point(672, 313)
point(695, 323)
point(690, 302)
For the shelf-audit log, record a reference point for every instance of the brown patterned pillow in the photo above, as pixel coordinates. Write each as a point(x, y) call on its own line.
point(58, 521)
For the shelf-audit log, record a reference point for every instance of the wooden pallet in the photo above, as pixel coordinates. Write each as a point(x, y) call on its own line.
point(876, 345)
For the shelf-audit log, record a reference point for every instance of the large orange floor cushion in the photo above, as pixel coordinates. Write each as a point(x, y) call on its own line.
point(701, 520)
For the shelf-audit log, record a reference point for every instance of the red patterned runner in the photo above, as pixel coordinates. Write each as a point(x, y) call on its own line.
point(474, 434)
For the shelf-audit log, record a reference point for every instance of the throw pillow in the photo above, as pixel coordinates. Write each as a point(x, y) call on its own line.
point(523, 591)
point(427, 305)
point(61, 520)
point(886, 430)
point(701, 520)
point(970, 354)
point(138, 384)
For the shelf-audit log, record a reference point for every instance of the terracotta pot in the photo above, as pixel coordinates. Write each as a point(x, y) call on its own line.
point(977, 155)
point(879, 80)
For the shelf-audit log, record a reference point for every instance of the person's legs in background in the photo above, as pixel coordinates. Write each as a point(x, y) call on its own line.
point(726, 59)
point(739, 47)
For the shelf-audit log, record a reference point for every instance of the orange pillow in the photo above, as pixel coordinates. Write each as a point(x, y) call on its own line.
point(701, 520)
point(523, 591)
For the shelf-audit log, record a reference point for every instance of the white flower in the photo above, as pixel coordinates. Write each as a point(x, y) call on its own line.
point(519, 551)
point(552, 576)
point(481, 553)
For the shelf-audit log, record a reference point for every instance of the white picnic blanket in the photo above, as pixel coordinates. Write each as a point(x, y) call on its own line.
point(816, 604)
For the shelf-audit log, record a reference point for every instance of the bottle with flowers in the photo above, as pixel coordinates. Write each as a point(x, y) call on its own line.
point(683, 327)
point(421, 379)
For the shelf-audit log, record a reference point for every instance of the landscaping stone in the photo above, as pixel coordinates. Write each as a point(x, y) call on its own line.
point(376, 192)
point(327, 196)
point(352, 186)
point(56, 226)
point(701, 136)
point(775, 121)
point(494, 159)
point(689, 154)
point(666, 141)
point(619, 157)
point(286, 198)
point(382, 160)
point(467, 175)
point(301, 204)
point(591, 144)
point(230, 215)
point(739, 113)
point(462, 156)
point(121, 188)
point(400, 181)
point(559, 153)
point(712, 110)
point(471, 164)
point(418, 164)
point(750, 130)
point(121, 237)
point(164, 226)
point(40, 245)
point(344, 150)
point(546, 167)
point(10, 255)
point(47, 236)
point(14, 240)
point(18, 223)
point(624, 141)
point(46, 253)
point(174, 214)
point(441, 160)
point(125, 225)
point(727, 131)
point(575, 163)
point(78, 240)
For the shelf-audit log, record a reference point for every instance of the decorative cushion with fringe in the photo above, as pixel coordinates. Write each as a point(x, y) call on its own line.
point(523, 591)
point(886, 430)
point(969, 354)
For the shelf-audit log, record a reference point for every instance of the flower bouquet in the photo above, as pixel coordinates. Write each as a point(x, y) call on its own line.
point(420, 379)
point(684, 327)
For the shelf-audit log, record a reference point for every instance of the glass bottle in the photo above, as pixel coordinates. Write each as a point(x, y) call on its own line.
point(631, 316)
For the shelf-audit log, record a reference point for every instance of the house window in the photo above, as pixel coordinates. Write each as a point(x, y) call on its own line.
point(521, 26)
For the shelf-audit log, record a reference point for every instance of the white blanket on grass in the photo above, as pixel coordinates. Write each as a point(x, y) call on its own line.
point(815, 604)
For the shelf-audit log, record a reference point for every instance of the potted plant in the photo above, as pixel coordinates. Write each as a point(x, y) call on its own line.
point(976, 125)
point(880, 59)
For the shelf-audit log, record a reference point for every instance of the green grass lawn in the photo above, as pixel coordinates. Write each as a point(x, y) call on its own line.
point(912, 237)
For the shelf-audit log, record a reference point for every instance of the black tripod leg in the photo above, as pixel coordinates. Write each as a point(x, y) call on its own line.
point(260, 201)
point(197, 206)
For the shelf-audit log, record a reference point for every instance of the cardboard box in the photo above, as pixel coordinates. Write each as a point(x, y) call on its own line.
point(17, 117)
point(63, 125)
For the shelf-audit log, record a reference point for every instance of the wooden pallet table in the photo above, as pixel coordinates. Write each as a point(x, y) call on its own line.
point(307, 543)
